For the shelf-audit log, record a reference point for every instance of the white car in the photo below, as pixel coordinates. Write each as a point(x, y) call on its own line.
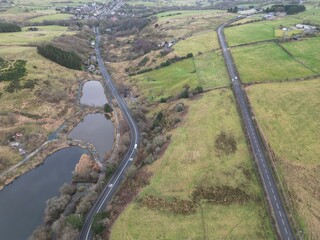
point(110, 185)
point(130, 159)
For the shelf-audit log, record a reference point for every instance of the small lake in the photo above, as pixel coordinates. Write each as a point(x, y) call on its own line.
point(22, 203)
point(95, 129)
point(93, 94)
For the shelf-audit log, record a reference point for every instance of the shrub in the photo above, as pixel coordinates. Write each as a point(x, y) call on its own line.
point(107, 108)
point(189, 55)
point(97, 225)
point(143, 62)
point(75, 220)
point(12, 70)
point(163, 100)
point(184, 94)
point(198, 89)
point(9, 27)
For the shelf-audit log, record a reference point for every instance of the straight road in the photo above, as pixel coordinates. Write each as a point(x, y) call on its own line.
point(116, 179)
point(271, 191)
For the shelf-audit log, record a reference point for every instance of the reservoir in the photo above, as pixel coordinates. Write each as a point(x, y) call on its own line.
point(22, 203)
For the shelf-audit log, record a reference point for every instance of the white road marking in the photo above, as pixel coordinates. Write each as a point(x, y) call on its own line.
point(277, 205)
point(280, 214)
point(274, 196)
point(285, 229)
point(282, 221)
point(272, 190)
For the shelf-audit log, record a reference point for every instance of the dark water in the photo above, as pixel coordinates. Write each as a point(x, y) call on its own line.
point(93, 94)
point(97, 130)
point(23, 202)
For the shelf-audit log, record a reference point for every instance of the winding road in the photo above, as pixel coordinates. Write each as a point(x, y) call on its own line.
point(116, 179)
point(269, 185)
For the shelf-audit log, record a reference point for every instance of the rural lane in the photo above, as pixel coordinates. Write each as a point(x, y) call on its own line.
point(269, 185)
point(116, 179)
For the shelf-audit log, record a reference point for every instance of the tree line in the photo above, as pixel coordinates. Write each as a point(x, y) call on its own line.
point(289, 9)
point(66, 59)
point(9, 27)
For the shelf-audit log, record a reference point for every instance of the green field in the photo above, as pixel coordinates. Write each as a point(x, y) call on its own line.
point(45, 33)
point(57, 16)
point(288, 114)
point(192, 161)
point(206, 70)
point(202, 42)
point(185, 13)
point(311, 16)
point(306, 51)
point(254, 32)
point(267, 62)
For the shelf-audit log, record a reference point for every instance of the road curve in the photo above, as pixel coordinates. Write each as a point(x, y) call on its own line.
point(117, 177)
point(270, 188)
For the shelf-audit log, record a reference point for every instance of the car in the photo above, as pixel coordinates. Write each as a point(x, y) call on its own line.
point(130, 159)
point(110, 185)
point(135, 146)
point(235, 77)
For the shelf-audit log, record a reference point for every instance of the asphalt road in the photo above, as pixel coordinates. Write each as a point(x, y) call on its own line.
point(116, 179)
point(271, 191)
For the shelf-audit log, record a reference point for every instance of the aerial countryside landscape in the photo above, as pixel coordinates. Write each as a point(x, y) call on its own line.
point(159, 119)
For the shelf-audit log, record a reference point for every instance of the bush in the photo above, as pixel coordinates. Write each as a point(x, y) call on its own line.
point(12, 70)
point(184, 94)
point(29, 84)
point(143, 62)
point(75, 220)
point(107, 108)
point(98, 225)
point(9, 27)
point(67, 189)
point(163, 100)
point(55, 206)
point(189, 55)
point(198, 89)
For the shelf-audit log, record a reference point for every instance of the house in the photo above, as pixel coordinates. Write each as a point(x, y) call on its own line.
point(307, 27)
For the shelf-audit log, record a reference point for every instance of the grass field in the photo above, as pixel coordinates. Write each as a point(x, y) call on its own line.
point(206, 70)
point(306, 51)
point(45, 33)
point(190, 23)
point(202, 42)
point(185, 13)
point(311, 16)
point(192, 161)
point(267, 62)
point(52, 82)
point(258, 31)
point(57, 16)
point(288, 114)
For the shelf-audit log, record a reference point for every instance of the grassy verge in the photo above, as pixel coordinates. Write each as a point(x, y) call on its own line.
point(192, 162)
point(288, 114)
point(267, 62)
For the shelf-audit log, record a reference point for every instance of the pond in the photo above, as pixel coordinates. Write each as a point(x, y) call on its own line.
point(95, 129)
point(93, 94)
